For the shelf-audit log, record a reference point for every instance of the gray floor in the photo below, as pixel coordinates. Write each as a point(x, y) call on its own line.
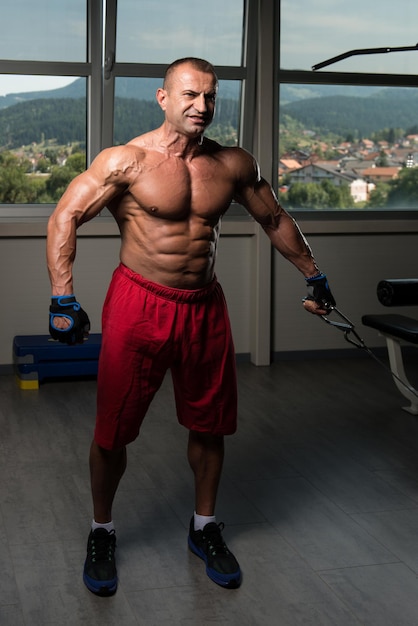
point(319, 497)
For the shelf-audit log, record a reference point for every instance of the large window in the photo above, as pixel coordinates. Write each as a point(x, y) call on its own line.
point(47, 83)
point(348, 102)
point(148, 36)
point(44, 31)
point(80, 75)
point(160, 32)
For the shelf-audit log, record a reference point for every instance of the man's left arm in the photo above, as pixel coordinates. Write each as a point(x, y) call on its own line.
point(283, 231)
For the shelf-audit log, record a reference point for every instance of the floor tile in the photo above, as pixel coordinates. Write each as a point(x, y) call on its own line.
point(317, 528)
point(380, 595)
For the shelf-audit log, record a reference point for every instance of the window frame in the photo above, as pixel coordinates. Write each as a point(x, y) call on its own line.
point(101, 70)
point(322, 77)
point(246, 72)
point(92, 71)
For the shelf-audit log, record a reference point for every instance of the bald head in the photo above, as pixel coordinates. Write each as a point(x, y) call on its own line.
point(197, 64)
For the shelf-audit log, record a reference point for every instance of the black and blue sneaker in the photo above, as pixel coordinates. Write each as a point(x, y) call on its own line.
point(100, 574)
point(221, 565)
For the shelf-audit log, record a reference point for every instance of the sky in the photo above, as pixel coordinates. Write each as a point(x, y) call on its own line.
point(314, 31)
point(18, 84)
point(311, 31)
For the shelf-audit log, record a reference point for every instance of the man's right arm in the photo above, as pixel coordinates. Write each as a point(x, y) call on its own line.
point(84, 198)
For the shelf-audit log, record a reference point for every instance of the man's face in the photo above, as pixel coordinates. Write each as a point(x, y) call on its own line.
point(189, 100)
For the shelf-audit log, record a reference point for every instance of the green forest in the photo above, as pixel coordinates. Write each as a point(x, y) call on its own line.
point(353, 116)
point(34, 121)
point(38, 120)
point(39, 154)
point(19, 186)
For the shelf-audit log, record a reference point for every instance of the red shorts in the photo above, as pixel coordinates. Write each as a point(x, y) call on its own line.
point(147, 329)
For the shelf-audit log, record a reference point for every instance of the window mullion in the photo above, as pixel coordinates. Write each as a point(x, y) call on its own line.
point(94, 83)
point(248, 102)
point(108, 73)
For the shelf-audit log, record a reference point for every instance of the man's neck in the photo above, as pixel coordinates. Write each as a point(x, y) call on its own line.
point(176, 144)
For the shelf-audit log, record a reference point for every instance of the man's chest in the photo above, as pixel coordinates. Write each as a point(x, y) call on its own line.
point(173, 188)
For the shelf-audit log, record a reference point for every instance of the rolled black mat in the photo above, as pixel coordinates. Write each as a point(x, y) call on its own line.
point(398, 291)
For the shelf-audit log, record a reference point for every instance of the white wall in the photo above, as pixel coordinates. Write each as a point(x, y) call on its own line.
point(354, 264)
point(26, 292)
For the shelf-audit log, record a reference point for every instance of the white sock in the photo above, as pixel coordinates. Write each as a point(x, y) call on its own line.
point(108, 526)
point(200, 521)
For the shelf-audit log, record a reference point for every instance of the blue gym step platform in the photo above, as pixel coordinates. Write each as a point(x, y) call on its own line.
point(36, 357)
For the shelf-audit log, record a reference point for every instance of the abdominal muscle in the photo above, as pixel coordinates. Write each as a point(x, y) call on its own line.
point(169, 219)
point(178, 254)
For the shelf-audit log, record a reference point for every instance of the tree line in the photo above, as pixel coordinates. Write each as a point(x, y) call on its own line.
point(43, 142)
point(400, 193)
point(19, 186)
point(64, 120)
point(353, 116)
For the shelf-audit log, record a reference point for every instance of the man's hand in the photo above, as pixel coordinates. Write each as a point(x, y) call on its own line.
point(67, 321)
point(319, 299)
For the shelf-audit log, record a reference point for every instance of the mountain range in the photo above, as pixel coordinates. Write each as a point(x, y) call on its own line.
point(137, 88)
point(358, 116)
point(145, 88)
point(322, 109)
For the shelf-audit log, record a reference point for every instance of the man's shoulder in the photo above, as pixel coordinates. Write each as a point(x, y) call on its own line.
point(127, 150)
point(234, 154)
point(241, 163)
point(117, 163)
point(123, 153)
point(210, 145)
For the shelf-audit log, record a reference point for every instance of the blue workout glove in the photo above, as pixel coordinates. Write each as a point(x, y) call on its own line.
point(67, 306)
point(319, 291)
